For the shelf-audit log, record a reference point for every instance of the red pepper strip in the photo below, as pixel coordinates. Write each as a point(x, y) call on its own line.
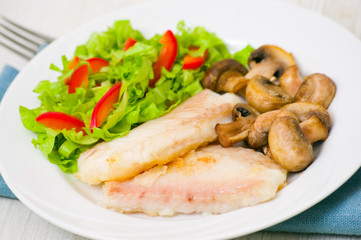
point(105, 106)
point(66, 81)
point(190, 62)
point(79, 78)
point(129, 43)
point(73, 63)
point(97, 63)
point(167, 56)
point(59, 121)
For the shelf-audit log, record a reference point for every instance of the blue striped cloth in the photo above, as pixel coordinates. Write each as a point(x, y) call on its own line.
point(6, 77)
point(340, 213)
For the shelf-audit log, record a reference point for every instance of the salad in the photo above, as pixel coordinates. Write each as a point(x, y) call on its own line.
point(116, 81)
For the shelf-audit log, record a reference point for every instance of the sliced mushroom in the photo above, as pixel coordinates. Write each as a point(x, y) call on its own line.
point(305, 110)
point(226, 76)
point(231, 133)
point(243, 110)
point(317, 88)
point(291, 80)
point(314, 130)
point(288, 145)
point(258, 134)
point(264, 95)
point(269, 61)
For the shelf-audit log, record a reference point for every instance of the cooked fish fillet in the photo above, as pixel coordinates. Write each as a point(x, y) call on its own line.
point(211, 179)
point(158, 141)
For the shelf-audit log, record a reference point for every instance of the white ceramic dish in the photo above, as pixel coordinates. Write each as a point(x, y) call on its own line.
point(318, 45)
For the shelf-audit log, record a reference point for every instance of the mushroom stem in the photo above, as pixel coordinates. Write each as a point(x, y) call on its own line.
point(231, 133)
point(305, 110)
point(291, 80)
point(314, 130)
point(233, 82)
point(269, 61)
point(266, 68)
point(226, 76)
point(258, 135)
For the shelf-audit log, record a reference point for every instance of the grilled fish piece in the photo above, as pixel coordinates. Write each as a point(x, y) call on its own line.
point(211, 179)
point(159, 141)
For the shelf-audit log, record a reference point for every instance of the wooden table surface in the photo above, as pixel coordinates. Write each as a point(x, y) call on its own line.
point(16, 220)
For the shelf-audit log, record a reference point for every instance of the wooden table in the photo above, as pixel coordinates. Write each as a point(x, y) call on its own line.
point(58, 17)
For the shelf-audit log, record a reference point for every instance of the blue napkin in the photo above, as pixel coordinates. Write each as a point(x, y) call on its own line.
point(340, 213)
point(6, 77)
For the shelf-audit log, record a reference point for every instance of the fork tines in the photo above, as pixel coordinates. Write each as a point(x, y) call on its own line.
point(21, 40)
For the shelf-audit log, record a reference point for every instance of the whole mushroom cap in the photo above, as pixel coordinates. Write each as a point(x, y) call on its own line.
point(288, 145)
point(317, 88)
point(269, 61)
point(264, 95)
point(214, 74)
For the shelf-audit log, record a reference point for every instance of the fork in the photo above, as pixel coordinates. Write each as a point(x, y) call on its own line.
point(21, 40)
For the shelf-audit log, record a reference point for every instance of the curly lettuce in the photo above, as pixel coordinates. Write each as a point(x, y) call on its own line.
point(137, 103)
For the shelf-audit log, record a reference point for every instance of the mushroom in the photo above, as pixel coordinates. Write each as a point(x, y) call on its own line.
point(243, 110)
point(305, 110)
point(317, 88)
point(269, 61)
point(258, 134)
point(267, 152)
point(226, 76)
point(236, 131)
point(288, 145)
point(291, 80)
point(264, 95)
point(314, 130)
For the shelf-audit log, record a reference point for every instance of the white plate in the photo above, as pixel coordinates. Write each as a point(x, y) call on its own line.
point(318, 45)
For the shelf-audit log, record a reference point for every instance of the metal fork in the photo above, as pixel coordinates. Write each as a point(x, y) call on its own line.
point(21, 40)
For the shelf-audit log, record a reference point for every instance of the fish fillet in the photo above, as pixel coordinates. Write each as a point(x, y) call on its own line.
point(158, 141)
point(211, 179)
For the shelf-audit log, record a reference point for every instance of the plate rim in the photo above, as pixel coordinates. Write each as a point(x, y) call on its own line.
point(24, 199)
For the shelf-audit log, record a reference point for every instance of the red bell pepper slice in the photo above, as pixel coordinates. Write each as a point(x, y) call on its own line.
point(105, 106)
point(66, 81)
point(73, 63)
point(97, 63)
point(190, 62)
point(59, 121)
point(167, 56)
point(129, 43)
point(79, 78)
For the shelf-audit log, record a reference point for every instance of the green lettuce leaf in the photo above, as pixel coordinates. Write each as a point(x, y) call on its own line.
point(243, 55)
point(137, 103)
